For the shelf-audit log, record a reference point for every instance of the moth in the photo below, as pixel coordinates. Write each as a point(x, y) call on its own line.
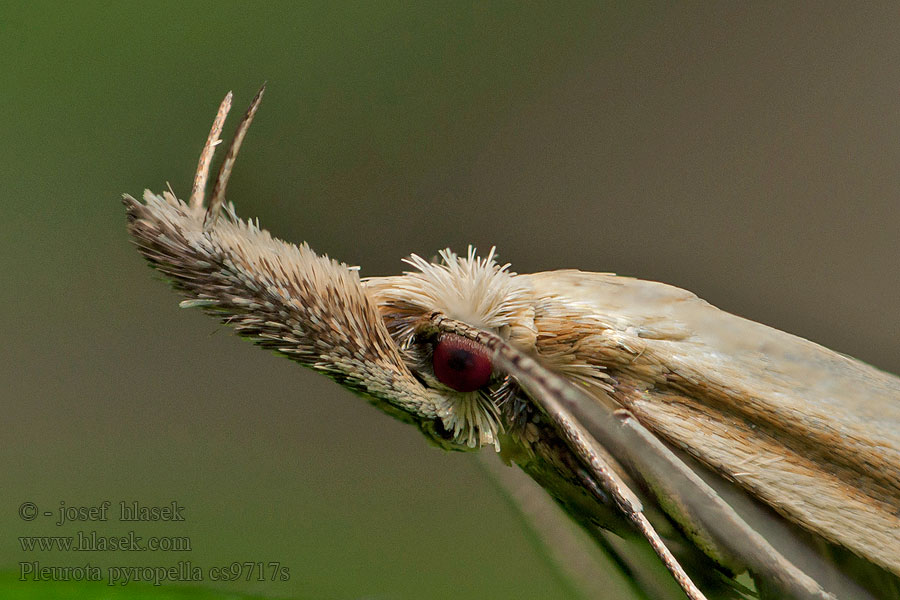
point(724, 446)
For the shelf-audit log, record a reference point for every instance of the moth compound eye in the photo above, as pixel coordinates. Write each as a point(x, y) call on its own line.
point(460, 363)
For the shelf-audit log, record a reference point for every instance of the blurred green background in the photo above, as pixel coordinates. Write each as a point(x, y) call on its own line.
point(748, 153)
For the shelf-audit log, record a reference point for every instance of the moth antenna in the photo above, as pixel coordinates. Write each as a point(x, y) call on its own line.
point(592, 429)
point(198, 191)
point(218, 193)
point(640, 521)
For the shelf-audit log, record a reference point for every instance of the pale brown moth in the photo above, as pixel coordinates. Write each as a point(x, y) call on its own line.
point(731, 447)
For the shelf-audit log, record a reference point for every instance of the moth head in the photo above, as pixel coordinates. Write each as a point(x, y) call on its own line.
point(478, 292)
point(366, 335)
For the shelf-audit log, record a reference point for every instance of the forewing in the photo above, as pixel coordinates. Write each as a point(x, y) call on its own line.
point(810, 432)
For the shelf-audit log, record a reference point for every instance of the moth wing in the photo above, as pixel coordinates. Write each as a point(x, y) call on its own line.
point(812, 433)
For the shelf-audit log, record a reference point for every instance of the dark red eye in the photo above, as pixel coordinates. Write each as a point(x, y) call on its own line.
point(460, 363)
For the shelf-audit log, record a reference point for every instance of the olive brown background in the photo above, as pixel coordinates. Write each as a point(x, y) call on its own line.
point(748, 153)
